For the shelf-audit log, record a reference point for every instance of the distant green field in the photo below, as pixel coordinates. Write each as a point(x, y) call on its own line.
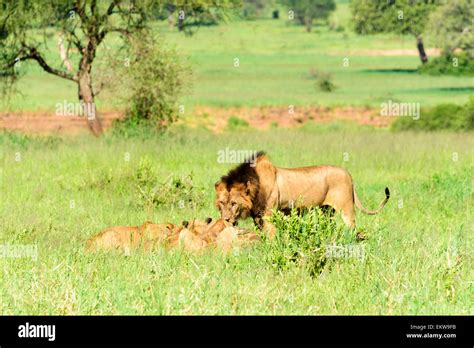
point(57, 193)
point(275, 59)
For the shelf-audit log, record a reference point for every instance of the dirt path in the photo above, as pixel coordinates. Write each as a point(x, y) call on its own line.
point(213, 118)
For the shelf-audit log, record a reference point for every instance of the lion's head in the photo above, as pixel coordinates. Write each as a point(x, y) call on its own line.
point(234, 201)
point(236, 192)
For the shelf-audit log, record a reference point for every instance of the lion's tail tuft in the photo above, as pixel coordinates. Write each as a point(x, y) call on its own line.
point(372, 212)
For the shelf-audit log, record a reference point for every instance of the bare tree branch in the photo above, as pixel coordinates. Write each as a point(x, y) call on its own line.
point(110, 10)
point(74, 38)
point(33, 54)
point(80, 10)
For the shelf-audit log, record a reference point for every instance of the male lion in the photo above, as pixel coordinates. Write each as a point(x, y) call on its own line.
point(255, 187)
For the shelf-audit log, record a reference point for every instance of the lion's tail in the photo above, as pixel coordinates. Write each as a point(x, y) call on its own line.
point(372, 212)
point(89, 244)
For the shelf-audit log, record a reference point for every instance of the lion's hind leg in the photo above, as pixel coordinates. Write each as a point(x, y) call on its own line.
point(348, 216)
point(338, 200)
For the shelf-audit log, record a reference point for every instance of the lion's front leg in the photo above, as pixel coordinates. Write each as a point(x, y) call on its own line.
point(263, 212)
point(265, 225)
point(269, 229)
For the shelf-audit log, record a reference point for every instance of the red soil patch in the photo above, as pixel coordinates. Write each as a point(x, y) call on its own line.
point(264, 117)
point(48, 123)
point(215, 118)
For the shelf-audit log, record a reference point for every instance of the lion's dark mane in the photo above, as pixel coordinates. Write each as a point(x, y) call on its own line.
point(243, 173)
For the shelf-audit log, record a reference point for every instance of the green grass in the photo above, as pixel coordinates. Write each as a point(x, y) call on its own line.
point(275, 59)
point(418, 251)
point(58, 192)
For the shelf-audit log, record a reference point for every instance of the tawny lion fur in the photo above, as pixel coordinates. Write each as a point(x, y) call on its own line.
point(194, 236)
point(256, 187)
point(125, 238)
point(215, 234)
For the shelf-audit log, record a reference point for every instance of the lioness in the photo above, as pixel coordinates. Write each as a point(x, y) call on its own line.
point(191, 236)
point(199, 235)
point(125, 238)
point(254, 188)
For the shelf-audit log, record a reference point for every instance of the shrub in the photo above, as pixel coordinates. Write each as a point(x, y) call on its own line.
point(444, 116)
point(253, 9)
point(131, 127)
point(235, 123)
point(302, 240)
point(323, 80)
point(307, 11)
point(458, 64)
point(176, 191)
point(157, 79)
point(155, 76)
point(334, 26)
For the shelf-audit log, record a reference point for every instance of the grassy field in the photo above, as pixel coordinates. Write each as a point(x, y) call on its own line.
point(274, 57)
point(58, 192)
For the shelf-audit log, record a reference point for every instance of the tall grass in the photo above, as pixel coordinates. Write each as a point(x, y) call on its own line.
point(57, 192)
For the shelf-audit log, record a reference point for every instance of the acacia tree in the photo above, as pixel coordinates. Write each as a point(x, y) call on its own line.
point(395, 16)
point(452, 26)
point(253, 9)
point(85, 24)
point(306, 11)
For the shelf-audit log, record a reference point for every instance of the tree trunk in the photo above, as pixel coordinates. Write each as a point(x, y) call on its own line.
point(421, 49)
point(308, 22)
point(170, 22)
point(180, 23)
point(86, 98)
point(86, 93)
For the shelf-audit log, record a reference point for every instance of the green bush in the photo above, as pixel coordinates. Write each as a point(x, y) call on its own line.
point(441, 117)
point(254, 9)
point(234, 123)
point(323, 80)
point(460, 64)
point(308, 11)
point(176, 191)
point(303, 240)
point(155, 76)
point(134, 127)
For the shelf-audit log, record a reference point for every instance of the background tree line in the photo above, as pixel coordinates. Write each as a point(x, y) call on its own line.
point(159, 75)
